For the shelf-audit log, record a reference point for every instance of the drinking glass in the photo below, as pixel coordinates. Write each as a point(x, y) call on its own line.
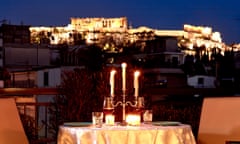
point(147, 116)
point(97, 119)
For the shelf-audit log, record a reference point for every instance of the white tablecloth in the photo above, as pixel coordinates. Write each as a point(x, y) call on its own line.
point(143, 134)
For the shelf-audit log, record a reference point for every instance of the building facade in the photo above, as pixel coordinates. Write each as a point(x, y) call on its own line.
point(100, 24)
point(18, 34)
point(31, 47)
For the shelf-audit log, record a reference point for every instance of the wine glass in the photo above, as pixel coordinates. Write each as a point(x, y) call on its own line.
point(108, 107)
point(140, 103)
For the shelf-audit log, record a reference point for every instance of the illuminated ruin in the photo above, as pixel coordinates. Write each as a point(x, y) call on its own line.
point(115, 32)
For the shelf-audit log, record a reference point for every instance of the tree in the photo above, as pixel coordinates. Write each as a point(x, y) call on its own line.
point(81, 92)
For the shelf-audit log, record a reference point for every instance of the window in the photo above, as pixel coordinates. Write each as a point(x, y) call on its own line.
point(200, 82)
point(175, 61)
point(45, 78)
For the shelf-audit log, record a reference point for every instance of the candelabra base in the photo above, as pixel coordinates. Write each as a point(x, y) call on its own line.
point(123, 123)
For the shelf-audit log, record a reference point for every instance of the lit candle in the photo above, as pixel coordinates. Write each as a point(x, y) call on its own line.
point(133, 119)
point(112, 82)
point(124, 65)
point(136, 84)
point(109, 119)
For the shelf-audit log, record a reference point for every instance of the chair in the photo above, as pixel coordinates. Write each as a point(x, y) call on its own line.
point(219, 121)
point(11, 129)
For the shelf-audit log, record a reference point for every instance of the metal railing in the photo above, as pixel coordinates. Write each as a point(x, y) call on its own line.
point(35, 120)
point(35, 114)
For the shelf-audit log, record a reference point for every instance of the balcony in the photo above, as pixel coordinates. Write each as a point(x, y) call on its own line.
point(42, 128)
point(35, 113)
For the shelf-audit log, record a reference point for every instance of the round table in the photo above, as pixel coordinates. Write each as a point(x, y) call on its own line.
point(117, 134)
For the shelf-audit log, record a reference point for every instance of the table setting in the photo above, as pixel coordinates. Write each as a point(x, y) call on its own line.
point(137, 126)
point(165, 132)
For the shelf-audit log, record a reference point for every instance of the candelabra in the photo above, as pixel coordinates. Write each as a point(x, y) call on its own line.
point(109, 104)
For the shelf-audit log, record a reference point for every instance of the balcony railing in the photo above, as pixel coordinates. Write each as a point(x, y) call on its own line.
point(35, 119)
point(35, 115)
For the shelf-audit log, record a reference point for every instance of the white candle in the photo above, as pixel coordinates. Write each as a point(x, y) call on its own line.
point(124, 65)
point(136, 83)
point(112, 82)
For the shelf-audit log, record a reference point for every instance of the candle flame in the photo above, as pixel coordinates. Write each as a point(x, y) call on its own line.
point(137, 73)
point(113, 72)
point(124, 65)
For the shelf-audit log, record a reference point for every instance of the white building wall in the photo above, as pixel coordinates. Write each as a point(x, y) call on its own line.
point(39, 78)
point(54, 77)
point(208, 81)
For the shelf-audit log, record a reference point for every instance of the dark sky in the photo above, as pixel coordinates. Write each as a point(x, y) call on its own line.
point(221, 15)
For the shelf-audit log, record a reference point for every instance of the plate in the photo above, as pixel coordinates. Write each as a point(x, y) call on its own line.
point(77, 124)
point(166, 123)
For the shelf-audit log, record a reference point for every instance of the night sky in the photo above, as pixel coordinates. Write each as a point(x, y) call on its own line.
point(221, 15)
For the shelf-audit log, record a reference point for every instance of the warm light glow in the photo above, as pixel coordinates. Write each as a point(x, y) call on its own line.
point(198, 36)
point(133, 119)
point(112, 74)
point(216, 36)
point(206, 31)
point(124, 65)
point(136, 83)
point(94, 30)
point(109, 119)
point(100, 24)
point(56, 35)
